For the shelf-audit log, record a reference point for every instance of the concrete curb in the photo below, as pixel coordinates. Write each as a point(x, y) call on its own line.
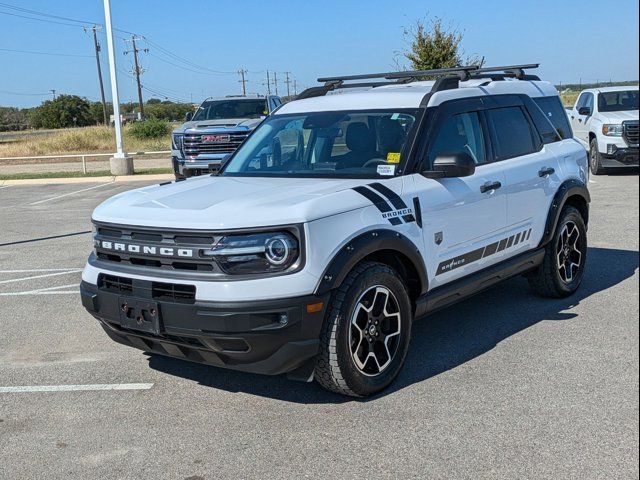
point(122, 178)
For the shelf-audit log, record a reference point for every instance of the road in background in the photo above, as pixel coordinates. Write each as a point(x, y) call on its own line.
point(504, 385)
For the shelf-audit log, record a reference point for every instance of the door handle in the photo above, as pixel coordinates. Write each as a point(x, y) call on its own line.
point(546, 171)
point(489, 186)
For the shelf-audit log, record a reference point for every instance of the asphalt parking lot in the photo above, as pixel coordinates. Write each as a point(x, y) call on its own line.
point(504, 385)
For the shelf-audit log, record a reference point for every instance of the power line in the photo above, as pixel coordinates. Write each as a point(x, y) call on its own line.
point(27, 94)
point(45, 53)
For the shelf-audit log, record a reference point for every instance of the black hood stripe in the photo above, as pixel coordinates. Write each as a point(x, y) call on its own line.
point(374, 198)
point(395, 199)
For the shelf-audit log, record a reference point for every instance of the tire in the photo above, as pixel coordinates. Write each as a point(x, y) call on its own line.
point(371, 304)
point(595, 161)
point(565, 258)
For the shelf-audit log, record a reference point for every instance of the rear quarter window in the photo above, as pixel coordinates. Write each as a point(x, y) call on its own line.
point(555, 112)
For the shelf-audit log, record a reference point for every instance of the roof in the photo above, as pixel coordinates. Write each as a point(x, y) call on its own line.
point(411, 95)
point(621, 88)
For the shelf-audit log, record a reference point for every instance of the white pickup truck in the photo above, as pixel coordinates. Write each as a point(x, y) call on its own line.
point(607, 120)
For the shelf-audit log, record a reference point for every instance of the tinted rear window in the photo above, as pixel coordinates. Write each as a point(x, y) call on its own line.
point(513, 132)
point(555, 112)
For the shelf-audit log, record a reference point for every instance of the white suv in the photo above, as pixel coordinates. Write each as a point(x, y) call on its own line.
point(343, 218)
point(607, 120)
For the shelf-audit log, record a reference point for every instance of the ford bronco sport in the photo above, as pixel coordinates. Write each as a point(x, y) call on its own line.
point(215, 130)
point(341, 219)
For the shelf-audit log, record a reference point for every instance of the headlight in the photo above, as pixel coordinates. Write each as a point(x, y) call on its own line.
point(176, 141)
point(612, 130)
point(256, 253)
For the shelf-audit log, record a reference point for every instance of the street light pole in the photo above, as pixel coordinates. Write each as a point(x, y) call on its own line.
point(121, 164)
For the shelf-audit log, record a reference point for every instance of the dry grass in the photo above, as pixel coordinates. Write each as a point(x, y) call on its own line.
point(80, 140)
point(569, 98)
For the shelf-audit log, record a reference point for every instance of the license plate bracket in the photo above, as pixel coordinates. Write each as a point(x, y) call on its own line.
point(140, 315)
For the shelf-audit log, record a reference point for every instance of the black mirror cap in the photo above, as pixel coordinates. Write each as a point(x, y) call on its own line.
point(188, 116)
point(584, 111)
point(453, 165)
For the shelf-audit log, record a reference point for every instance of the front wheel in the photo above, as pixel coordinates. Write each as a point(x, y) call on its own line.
point(565, 258)
point(595, 161)
point(366, 333)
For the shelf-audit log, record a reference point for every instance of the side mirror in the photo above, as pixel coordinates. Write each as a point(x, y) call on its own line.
point(452, 165)
point(584, 111)
point(188, 116)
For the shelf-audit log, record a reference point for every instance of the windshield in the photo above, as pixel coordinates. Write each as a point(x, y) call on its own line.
point(221, 109)
point(618, 101)
point(327, 144)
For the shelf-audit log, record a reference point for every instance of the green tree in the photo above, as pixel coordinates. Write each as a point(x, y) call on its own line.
point(433, 45)
point(64, 111)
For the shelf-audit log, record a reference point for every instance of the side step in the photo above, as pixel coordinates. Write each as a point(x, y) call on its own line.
point(466, 287)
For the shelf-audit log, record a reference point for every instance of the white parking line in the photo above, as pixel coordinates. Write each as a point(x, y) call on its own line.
point(13, 280)
point(35, 292)
point(77, 388)
point(70, 193)
point(5, 186)
point(41, 270)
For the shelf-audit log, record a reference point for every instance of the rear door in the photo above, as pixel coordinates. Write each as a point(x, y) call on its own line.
point(460, 216)
point(520, 133)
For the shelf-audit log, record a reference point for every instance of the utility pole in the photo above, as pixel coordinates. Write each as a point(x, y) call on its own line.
point(242, 80)
point(53, 92)
point(138, 71)
point(287, 81)
point(121, 164)
point(97, 48)
point(268, 84)
point(275, 81)
point(295, 87)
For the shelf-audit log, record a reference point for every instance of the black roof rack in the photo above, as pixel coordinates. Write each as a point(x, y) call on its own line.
point(449, 78)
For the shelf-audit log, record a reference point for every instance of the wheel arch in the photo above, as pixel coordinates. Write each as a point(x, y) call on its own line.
point(572, 192)
point(383, 246)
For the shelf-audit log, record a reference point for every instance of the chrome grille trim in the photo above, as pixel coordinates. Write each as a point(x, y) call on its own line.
point(193, 146)
point(630, 132)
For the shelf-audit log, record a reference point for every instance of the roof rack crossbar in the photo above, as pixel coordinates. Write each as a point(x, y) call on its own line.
point(402, 74)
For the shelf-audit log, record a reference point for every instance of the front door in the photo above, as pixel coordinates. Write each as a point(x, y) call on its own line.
point(461, 217)
point(578, 121)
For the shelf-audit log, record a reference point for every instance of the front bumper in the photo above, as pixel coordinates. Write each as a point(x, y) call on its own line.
point(198, 165)
point(246, 336)
point(622, 157)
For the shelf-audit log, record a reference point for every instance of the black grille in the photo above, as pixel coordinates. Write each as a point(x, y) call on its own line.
point(141, 237)
point(111, 283)
point(630, 133)
point(163, 292)
point(194, 146)
point(173, 292)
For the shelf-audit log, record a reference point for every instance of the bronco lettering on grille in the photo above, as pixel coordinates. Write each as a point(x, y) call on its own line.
point(147, 249)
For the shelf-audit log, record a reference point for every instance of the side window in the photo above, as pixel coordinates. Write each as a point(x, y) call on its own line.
point(461, 132)
point(556, 114)
point(590, 101)
point(582, 101)
point(513, 132)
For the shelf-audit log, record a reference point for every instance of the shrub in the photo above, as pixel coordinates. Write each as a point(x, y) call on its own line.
point(151, 128)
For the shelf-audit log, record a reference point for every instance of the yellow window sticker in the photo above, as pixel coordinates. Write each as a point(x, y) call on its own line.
point(393, 157)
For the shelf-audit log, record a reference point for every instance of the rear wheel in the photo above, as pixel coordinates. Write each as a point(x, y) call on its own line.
point(565, 258)
point(366, 333)
point(595, 161)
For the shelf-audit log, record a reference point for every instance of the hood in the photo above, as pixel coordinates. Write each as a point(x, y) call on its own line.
point(619, 117)
point(217, 125)
point(219, 203)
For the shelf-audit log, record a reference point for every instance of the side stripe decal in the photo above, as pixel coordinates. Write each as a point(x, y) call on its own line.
point(483, 252)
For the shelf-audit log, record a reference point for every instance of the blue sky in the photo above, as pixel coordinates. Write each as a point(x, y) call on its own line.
point(571, 39)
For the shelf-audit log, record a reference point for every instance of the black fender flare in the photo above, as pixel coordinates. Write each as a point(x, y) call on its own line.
point(568, 189)
point(365, 244)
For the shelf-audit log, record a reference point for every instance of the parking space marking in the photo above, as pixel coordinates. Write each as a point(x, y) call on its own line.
point(5, 186)
point(32, 270)
point(77, 388)
point(71, 193)
point(45, 291)
point(33, 277)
